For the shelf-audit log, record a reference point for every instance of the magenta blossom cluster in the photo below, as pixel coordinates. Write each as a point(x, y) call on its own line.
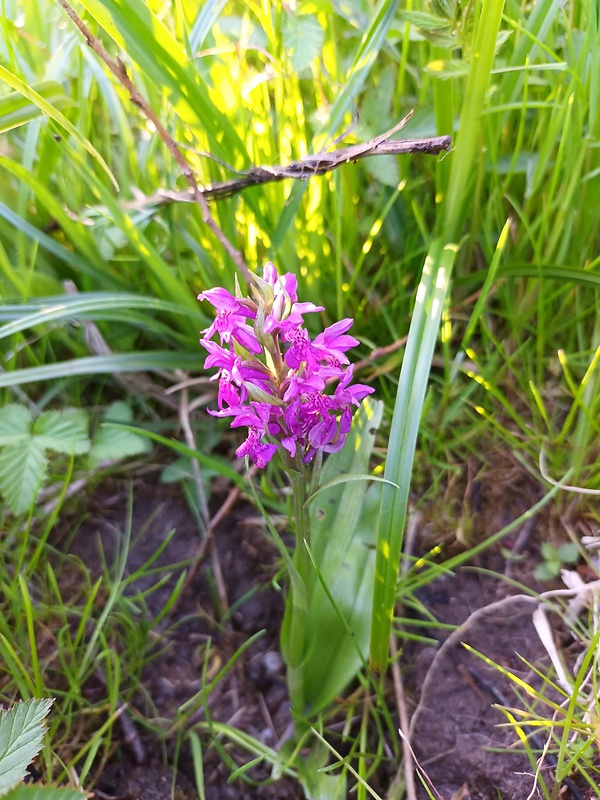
point(287, 389)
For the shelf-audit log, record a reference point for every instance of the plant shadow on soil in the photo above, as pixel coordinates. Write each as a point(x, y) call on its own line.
point(455, 730)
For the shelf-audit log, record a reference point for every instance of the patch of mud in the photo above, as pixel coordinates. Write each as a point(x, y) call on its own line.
point(457, 733)
point(455, 729)
point(205, 628)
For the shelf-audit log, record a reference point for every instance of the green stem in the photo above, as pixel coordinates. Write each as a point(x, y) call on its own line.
point(298, 601)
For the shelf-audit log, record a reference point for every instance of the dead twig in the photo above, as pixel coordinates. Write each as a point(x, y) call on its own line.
point(304, 168)
point(119, 71)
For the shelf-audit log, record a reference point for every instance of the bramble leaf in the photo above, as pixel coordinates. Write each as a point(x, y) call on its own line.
point(22, 468)
point(115, 443)
point(303, 38)
point(37, 792)
point(15, 423)
point(63, 431)
point(21, 732)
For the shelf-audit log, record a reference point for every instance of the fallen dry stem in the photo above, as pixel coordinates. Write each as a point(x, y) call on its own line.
point(304, 168)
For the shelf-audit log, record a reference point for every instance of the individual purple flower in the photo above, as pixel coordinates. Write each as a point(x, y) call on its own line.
point(346, 394)
point(233, 373)
point(333, 343)
point(257, 418)
point(230, 321)
point(256, 449)
point(285, 310)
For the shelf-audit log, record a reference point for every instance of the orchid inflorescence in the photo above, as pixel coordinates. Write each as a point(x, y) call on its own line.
point(272, 378)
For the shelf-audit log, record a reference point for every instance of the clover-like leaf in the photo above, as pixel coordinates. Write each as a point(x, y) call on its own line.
point(21, 732)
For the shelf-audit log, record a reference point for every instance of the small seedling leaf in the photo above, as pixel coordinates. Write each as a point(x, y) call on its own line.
point(21, 732)
point(548, 551)
point(15, 423)
point(568, 553)
point(63, 431)
point(546, 571)
point(22, 469)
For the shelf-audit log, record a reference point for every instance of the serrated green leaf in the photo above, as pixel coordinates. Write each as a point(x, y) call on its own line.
point(120, 411)
point(15, 423)
point(37, 792)
point(442, 38)
point(22, 469)
point(63, 431)
point(21, 732)
point(384, 169)
point(445, 70)
point(423, 21)
point(111, 444)
point(303, 38)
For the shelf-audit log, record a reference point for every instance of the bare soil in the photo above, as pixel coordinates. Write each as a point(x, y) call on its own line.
point(452, 693)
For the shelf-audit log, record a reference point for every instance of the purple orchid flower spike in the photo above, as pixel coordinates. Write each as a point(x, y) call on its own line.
point(292, 393)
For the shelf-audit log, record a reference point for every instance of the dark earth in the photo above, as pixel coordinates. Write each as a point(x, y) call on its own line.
point(457, 730)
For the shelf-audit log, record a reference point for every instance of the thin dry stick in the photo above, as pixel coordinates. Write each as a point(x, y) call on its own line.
point(304, 168)
point(118, 69)
point(409, 763)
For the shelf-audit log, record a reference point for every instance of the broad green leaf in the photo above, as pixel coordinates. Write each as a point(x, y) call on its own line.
point(15, 109)
point(22, 469)
point(21, 732)
point(568, 553)
point(303, 39)
point(15, 423)
point(318, 782)
point(115, 443)
point(37, 792)
point(63, 431)
point(343, 525)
